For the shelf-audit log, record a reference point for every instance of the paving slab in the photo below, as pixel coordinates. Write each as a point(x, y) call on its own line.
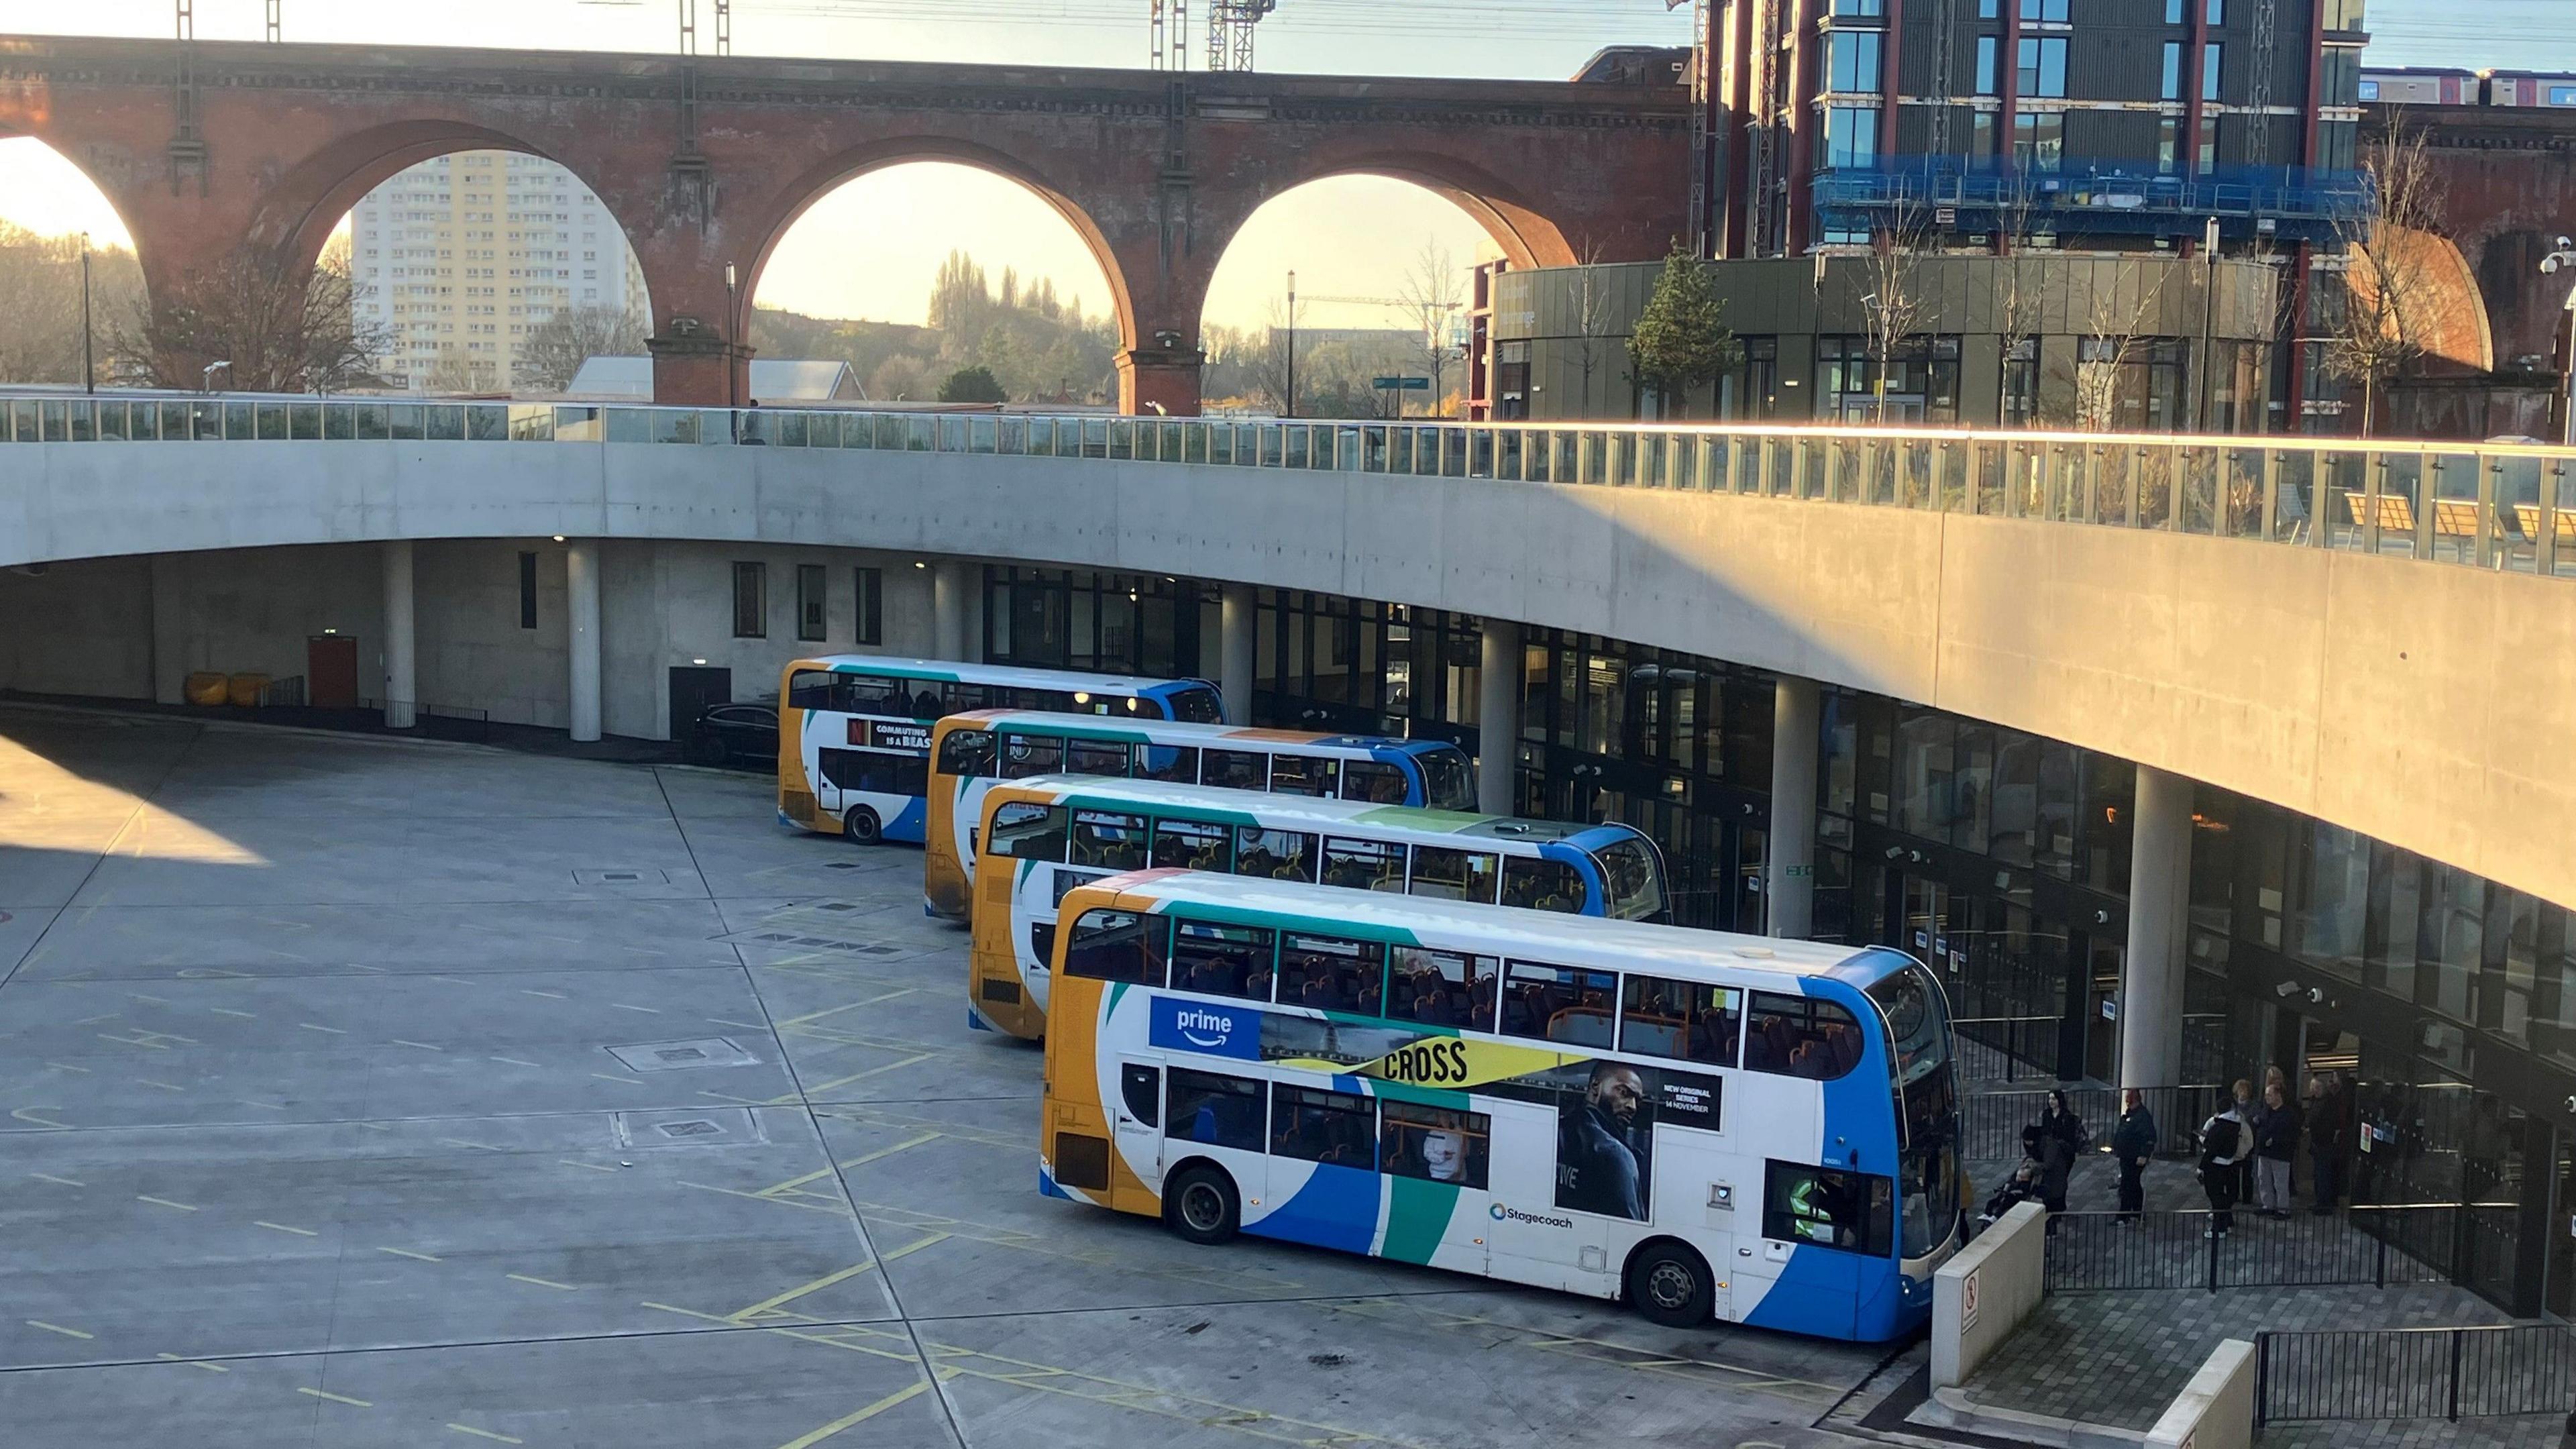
point(92, 943)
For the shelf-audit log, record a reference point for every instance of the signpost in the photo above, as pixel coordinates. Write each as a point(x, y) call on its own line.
point(1400, 385)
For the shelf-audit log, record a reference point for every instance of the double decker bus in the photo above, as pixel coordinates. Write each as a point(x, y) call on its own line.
point(854, 729)
point(1042, 837)
point(969, 752)
point(1707, 1126)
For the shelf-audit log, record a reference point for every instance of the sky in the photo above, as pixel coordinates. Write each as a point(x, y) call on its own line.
point(870, 249)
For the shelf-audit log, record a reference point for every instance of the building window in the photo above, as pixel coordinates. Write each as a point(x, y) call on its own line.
point(527, 591)
point(812, 593)
point(2042, 66)
point(751, 601)
point(2172, 90)
point(2337, 145)
point(2021, 384)
point(2039, 140)
point(1855, 62)
point(1989, 63)
point(2339, 77)
point(871, 606)
point(1851, 136)
point(2217, 13)
point(2210, 67)
point(2168, 144)
point(2046, 12)
point(1859, 9)
point(2173, 12)
point(2208, 144)
point(1981, 135)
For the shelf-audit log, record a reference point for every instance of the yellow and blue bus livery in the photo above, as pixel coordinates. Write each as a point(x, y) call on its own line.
point(1704, 1125)
point(1042, 837)
point(970, 752)
point(854, 729)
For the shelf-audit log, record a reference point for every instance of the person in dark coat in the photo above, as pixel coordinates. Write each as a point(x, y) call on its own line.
point(2276, 1145)
point(2329, 1137)
point(2132, 1143)
point(2061, 1137)
point(2249, 1115)
point(2226, 1143)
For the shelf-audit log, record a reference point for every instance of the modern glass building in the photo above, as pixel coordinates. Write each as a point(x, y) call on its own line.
point(2001, 857)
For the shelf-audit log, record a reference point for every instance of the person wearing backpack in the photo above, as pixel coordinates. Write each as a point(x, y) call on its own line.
point(2225, 1144)
point(2133, 1142)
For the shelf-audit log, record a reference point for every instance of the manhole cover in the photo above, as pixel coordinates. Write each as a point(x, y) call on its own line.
point(840, 865)
point(671, 1056)
point(689, 1127)
point(621, 875)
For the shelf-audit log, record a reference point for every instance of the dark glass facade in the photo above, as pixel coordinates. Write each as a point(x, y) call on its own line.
point(2000, 857)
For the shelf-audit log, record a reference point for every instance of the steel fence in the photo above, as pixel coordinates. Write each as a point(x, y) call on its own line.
point(2414, 1373)
point(2378, 1246)
point(1991, 1123)
point(2486, 505)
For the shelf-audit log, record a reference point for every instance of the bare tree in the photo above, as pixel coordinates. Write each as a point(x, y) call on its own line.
point(40, 303)
point(2391, 295)
point(279, 328)
point(1894, 306)
point(556, 348)
point(2115, 338)
point(1591, 303)
point(1432, 295)
point(2024, 283)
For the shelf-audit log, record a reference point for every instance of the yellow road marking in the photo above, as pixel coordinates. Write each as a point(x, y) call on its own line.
point(516, 1062)
point(58, 1328)
point(317, 1026)
point(337, 1398)
point(68, 1067)
point(891, 1151)
point(853, 1077)
point(28, 1114)
point(283, 1228)
point(58, 1181)
point(845, 1006)
point(630, 1081)
point(212, 1368)
point(452, 981)
point(155, 1000)
point(745, 1025)
point(162, 1202)
point(557, 995)
point(542, 1282)
point(164, 1086)
point(477, 1146)
point(421, 1045)
point(408, 1253)
point(277, 1107)
point(228, 1011)
point(484, 1434)
point(593, 1166)
point(807, 1441)
point(822, 1205)
point(647, 1010)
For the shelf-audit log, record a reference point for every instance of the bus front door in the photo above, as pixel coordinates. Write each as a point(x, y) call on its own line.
point(1136, 1130)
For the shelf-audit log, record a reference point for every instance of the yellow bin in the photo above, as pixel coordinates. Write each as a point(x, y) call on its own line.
point(245, 689)
point(206, 688)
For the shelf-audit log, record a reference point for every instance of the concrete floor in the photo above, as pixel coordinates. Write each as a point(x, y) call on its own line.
point(369, 1093)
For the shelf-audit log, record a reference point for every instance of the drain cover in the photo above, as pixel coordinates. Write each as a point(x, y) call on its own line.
point(622, 875)
point(689, 1127)
point(672, 1056)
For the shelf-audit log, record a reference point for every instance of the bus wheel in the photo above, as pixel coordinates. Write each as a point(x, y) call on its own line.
point(1670, 1285)
point(1200, 1204)
point(862, 827)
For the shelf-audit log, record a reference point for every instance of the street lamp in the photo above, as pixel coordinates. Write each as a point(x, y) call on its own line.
point(89, 364)
point(1288, 405)
point(2208, 307)
point(211, 369)
point(733, 394)
point(2565, 256)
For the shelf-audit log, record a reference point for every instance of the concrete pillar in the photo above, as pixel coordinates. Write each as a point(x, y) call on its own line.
point(402, 682)
point(1239, 616)
point(2159, 915)
point(581, 588)
point(1498, 718)
point(1789, 868)
point(949, 591)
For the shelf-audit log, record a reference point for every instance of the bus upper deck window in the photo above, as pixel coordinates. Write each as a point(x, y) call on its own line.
point(809, 689)
point(1176, 763)
point(1026, 755)
point(1374, 782)
point(1302, 775)
point(1197, 704)
point(1801, 1036)
point(1026, 831)
point(967, 754)
point(1236, 770)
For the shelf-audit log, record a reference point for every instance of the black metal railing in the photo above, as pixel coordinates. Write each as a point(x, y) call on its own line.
point(2009, 1048)
point(1991, 1123)
point(287, 693)
point(2414, 1373)
point(2378, 1246)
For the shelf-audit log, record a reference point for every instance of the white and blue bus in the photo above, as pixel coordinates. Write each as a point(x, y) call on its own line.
point(1707, 1126)
point(854, 729)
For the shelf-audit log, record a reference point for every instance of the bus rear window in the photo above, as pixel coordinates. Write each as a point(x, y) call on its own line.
point(1028, 832)
point(1116, 946)
point(1447, 783)
point(809, 689)
point(1542, 885)
point(967, 754)
point(1197, 704)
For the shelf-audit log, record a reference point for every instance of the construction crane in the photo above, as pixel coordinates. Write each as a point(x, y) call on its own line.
point(1229, 32)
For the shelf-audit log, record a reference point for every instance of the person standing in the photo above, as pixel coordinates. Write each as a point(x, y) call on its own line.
point(2225, 1143)
point(2329, 1136)
point(2276, 1144)
point(2061, 1137)
point(2132, 1143)
point(2249, 1116)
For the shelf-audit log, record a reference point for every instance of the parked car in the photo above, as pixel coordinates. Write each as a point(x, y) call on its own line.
point(734, 734)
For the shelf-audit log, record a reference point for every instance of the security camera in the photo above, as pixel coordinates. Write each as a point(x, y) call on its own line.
point(2550, 264)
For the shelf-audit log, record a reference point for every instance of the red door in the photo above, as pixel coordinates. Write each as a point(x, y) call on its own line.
point(331, 671)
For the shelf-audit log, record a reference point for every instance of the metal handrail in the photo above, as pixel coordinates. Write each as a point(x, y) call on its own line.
point(2504, 506)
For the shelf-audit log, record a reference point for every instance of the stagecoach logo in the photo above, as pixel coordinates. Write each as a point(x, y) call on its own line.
point(1191, 1026)
point(1502, 1214)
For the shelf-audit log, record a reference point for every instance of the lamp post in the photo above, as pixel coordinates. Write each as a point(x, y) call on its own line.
point(211, 369)
point(89, 363)
point(733, 389)
point(1288, 404)
point(2565, 256)
point(2208, 308)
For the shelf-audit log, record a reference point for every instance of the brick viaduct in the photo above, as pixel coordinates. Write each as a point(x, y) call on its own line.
point(212, 148)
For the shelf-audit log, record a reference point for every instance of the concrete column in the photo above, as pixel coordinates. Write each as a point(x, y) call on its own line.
point(2159, 915)
point(1789, 869)
point(1238, 618)
point(948, 600)
point(1498, 717)
point(402, 683)
point(581, 587)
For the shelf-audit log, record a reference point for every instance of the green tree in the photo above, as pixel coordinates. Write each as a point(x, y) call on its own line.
point(1681, 340)
point(972, 385)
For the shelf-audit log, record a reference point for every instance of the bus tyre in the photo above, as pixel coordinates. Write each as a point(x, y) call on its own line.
point(1670, 1285)
point(862, 827)
point(1201, 1205)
